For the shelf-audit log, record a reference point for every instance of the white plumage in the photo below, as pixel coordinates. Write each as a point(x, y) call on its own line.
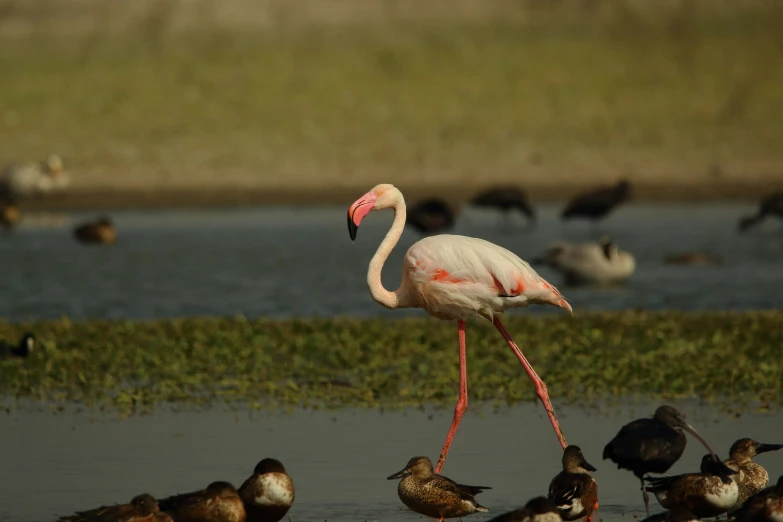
point(599, 263)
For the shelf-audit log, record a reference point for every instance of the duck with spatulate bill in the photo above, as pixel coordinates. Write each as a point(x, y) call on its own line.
point(539, 509)
point(751, 477)
point(269, 492)
point(434, 495)
point(764, 506)
point(219, 502)
point(142, 508)
point(651, 445)
point(709, 493)
point(574, 490)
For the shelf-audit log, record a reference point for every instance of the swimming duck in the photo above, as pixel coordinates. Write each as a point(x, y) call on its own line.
point(23, 349)
point(678, 514)
point(693, 258)
point(580, 263)
point(434, 495)
point(764, 506)
point(574, 490)
point(707, 494)
point(651, 445)
point(220, 502)
point(142, 508)
point(751, 477)
point(99, 231)
point(26, 179)
point(771, 205)
point(539, 509)
point(505, 199)
point(9, 214)
point(269, 492)
point(598, 203)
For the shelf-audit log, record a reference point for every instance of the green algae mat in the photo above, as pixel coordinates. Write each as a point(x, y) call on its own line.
point(134, 367)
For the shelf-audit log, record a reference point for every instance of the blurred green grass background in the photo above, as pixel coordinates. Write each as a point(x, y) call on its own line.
point(307, 94)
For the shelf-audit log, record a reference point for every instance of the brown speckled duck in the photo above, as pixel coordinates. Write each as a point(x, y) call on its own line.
point(435, 495)
point(101, 231)
point(751, 477)
point(764, 506)
point(220, 502)
point(707, 494)
point(269, 492)
point(573, 490)
point(539, 509)
point(142, 508)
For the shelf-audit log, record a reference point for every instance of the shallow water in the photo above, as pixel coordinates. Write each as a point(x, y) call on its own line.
point(286, 261)
point(53, 465)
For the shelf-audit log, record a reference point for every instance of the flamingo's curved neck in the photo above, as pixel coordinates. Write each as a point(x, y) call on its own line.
point(379, 293)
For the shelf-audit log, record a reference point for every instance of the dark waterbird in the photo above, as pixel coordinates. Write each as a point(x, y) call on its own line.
point(771, 205)
point(598, 203)
point(100, 231)
point(709, 493)
point(574, 490)
point(268, 493)
point(651, 445)
point(431, 216)
point(539, 509)
point(219, 502)
point(23, 349)
point(505, 199)
point(751, 477)
point(142, 508)
point(434, 495)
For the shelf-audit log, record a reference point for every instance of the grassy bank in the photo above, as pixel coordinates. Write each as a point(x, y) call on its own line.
point(688, 92)
point(134, 367)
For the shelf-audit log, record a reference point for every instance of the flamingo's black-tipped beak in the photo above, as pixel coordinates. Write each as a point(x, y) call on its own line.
point(352, 227)
point(399, 475)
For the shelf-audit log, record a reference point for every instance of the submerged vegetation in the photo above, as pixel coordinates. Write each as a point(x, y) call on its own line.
point(136, 366)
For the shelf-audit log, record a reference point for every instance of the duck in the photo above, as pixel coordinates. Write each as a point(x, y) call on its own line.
point(268, 493)
point(764, 506)
point(751, 477)
point(598, 203)
point(505, 199)
point(434, 495)
point(539, 509)
point(431, 216)
point(142, 508)
point(33, 178)
point(709, 493)
point(651, 445)
point(693, 258)
point(219, 502)
point(10, 214)
point(574, 490)
point(101, 231)
point(23, 349)
point(771, 205)
point(601, 263)
point(678, 514)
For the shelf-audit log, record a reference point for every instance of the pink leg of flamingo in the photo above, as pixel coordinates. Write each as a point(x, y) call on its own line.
point(453, 278)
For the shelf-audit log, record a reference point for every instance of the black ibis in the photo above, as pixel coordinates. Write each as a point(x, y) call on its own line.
point(431, 216)
point(506, 199)
point(598, 203)
point(771, 205)
point(651, 445)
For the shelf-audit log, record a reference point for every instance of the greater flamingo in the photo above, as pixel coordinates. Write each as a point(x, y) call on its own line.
point(454, 278)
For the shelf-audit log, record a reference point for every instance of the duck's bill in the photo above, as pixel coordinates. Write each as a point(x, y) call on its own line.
point(588, 466)
point(400, 474)
point(723, 469)
point(763, 448)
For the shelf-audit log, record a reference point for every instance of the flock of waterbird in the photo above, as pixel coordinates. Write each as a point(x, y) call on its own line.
point(456, 278)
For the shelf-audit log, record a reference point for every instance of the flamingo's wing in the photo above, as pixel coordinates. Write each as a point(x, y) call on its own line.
point(455, 275)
